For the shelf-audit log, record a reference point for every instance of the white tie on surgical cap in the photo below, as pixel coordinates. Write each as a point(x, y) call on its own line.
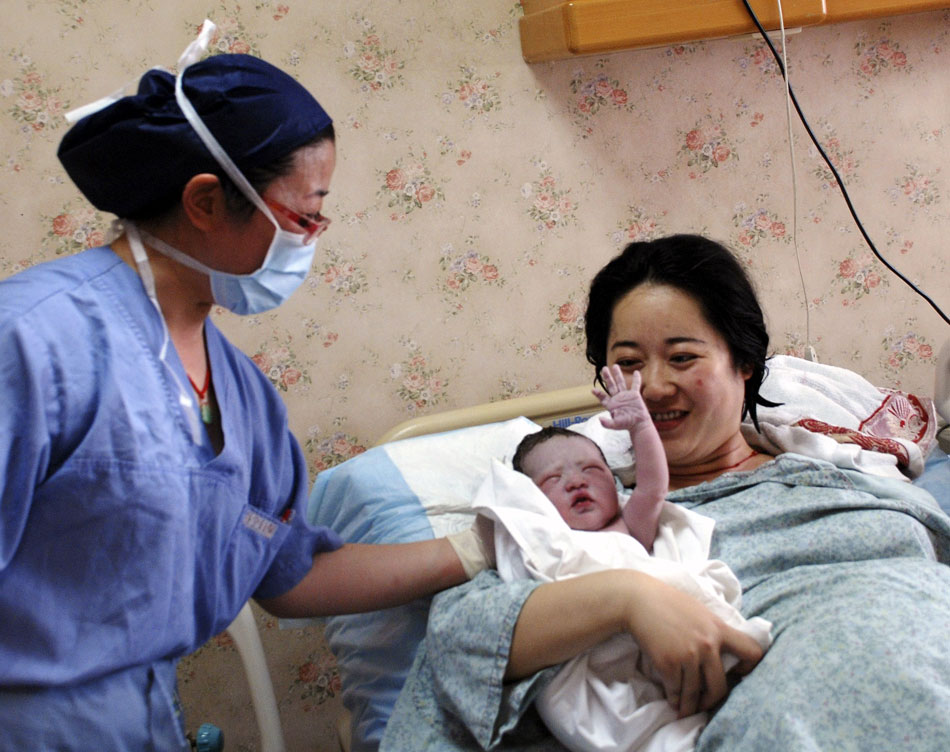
point(199, 47)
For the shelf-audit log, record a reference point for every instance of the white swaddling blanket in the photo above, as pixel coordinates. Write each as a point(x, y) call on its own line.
point(603, 699)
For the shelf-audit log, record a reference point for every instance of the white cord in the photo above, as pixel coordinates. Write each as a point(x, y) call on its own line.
point(810, 353)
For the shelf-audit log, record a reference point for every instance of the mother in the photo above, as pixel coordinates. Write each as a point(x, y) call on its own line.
point(844, 565)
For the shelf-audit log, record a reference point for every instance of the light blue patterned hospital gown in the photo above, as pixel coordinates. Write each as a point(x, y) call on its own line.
point(843, 564)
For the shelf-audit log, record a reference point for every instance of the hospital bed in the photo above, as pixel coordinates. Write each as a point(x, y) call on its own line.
point(418, 482)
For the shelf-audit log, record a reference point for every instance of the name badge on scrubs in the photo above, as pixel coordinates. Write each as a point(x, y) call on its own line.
point(259, 524)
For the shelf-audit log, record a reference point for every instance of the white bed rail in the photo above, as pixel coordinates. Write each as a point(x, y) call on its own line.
point(542, 408)
point(243, 631)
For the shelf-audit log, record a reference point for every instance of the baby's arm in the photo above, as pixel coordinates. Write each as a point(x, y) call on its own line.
point(628, 411)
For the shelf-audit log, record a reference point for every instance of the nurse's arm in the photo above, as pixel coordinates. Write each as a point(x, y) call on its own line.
point(365, 577)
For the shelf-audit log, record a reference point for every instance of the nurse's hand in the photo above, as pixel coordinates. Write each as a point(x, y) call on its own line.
point(475, 546)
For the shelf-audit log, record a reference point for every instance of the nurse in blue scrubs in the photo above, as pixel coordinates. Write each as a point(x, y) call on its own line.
point(149, 484)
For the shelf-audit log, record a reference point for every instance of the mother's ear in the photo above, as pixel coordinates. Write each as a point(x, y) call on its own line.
point(203, 201)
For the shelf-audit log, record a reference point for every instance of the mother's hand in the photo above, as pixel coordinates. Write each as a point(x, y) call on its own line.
point(683, 639)
point(686, 642)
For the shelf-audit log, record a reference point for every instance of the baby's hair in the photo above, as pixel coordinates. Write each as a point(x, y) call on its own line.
point(532, 440)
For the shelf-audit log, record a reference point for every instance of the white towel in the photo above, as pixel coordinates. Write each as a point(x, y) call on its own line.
point(603, 699)
point(834, 414)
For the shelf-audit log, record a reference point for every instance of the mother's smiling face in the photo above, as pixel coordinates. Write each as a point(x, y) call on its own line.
point(691, 386)
point(683, 310)
point(707, 291)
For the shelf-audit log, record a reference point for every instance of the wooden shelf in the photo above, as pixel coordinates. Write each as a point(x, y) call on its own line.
point(558, 29)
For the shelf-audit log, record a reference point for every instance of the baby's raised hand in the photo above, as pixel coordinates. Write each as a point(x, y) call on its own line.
point(628, 411)
point(626, 406)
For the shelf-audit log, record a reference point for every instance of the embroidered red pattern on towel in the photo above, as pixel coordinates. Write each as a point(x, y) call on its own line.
point(850, 436)
point(901, 416)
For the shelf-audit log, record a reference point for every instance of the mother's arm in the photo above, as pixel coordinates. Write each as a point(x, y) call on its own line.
point(683, 639)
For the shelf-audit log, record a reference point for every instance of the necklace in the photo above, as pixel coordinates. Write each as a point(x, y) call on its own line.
point(740, 462)
point(204, 401)
point(685, 478)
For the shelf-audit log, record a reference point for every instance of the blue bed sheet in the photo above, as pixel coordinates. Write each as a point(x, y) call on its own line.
point(936, 478)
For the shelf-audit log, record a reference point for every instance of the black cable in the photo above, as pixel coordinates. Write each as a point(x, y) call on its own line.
point(834, 172)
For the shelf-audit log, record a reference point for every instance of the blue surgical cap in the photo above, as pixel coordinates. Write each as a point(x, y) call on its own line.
point(135, 156)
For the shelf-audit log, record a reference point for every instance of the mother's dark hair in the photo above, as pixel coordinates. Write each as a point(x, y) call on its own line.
point(707, 272)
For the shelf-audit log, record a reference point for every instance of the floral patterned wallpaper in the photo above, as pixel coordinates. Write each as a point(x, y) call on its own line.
point(476, 195)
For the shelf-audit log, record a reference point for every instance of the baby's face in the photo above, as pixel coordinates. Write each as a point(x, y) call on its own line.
point(574, 476)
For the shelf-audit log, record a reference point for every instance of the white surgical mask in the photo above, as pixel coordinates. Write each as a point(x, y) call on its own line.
point(285, 267)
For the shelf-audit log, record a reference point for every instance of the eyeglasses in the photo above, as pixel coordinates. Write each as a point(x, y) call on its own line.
point(313, 225)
